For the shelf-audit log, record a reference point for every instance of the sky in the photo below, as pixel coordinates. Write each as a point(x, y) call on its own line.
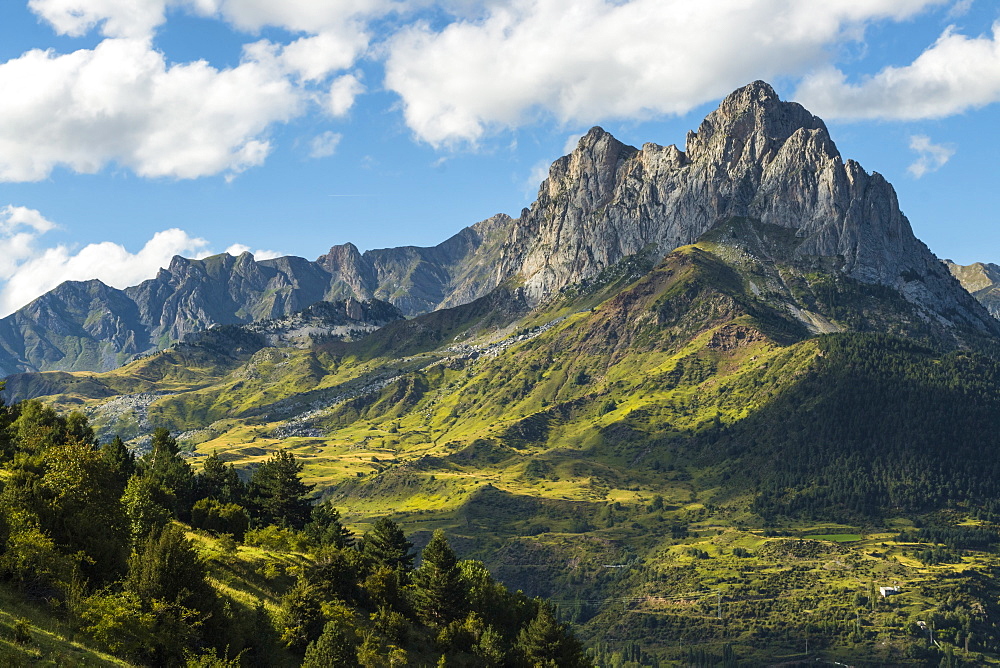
point(134, 130)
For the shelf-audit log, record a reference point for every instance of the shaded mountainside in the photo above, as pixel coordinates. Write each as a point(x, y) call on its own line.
point(90, 326)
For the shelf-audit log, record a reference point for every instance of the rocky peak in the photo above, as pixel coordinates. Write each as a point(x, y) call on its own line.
point(754, 157)
point(589, 170)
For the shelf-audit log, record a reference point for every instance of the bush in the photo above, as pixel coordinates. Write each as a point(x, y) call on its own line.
point(220, 518)
point(276, 538)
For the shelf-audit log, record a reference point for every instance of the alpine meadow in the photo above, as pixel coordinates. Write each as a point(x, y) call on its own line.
point(703, 406)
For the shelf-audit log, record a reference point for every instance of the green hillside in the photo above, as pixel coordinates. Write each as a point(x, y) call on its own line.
point(717, 459)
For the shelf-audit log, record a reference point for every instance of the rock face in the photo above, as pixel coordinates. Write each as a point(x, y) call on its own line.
point(90, 326)
point(755, 157)
point(982, 280)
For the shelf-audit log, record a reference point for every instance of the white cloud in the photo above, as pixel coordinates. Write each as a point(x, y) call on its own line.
point(930, 157)
point(539, 172)
point(960, 8)
point(598, 59)
point(324, 145)
point(259, 254)
point(309, 16)
point(956, 73)
point(314, 58)
point(29, 271)
point(571, 143)
point(14, 217)
point(117, 18)
point(343, 91)
point(122, 103)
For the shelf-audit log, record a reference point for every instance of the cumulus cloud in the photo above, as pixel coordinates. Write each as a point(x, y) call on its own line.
point(116, 18)
point(122, 103)
point(343, 91)
point(954, 74)
point(28, 271)
point(324, 145)
point(259, 254)
point(309, 16)
point(930, 157)
point(598, 59)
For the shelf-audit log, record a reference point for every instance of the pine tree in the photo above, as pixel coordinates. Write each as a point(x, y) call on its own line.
point(336, 647)
point(278, 493)
point(168, 569)
point(440, 591)
point(385, 544)
point(220, 481)
point(120, 460)
point(163, 465)
point(324, 527)
point(546, 642)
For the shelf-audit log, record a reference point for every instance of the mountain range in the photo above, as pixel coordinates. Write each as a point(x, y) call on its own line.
point(754, 158)
point(671, 362)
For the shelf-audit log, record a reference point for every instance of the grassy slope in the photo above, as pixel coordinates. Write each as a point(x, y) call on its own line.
point(542, 443)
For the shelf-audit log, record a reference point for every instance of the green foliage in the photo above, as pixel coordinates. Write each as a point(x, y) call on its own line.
point(120, 461)
point(277, 538)
point(385, 544)
point(277, 492)
point(301, 616)
point(164, 466)
point(167, 568)
point(324, 526)
point(228, 518)
point(878, 423)
point(147, 506)
point(545, 642)
point(220, 481)
point(336, 647)
point(439, 590)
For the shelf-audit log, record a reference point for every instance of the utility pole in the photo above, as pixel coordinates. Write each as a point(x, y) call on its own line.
point(719, 604)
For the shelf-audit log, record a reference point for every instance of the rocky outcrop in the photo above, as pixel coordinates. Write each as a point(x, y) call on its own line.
point(754, 157)
point(982, 280)
point(90, 326)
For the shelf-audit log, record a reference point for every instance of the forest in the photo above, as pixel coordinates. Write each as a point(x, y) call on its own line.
point(106, 542)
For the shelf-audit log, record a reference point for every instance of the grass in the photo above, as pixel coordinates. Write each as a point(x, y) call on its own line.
point(31, 635)
point(836, 537)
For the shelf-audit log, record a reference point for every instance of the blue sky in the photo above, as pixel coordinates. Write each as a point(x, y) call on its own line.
point(131, 130)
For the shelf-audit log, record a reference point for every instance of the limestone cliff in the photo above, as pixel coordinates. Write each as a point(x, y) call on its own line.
point(754, 157)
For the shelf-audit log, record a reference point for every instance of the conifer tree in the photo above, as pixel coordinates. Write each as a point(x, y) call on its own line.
point(163, 465)
point(277, 492)
point(440, 595)
point(546, 642)
point(324, 527)
point(167, 568)
point(220, 481)
point(336, 647)
point(120, 460)
point(386, 544)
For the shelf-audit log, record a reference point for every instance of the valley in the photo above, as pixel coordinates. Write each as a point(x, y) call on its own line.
point(699, 400)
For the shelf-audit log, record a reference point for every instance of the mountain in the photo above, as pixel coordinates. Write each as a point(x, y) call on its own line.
point(755, 158)
point(697, 397)
point(982, 280)
point(82, 326)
